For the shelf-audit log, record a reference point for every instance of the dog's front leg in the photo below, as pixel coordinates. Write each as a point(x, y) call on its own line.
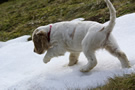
point(47, 58)
point(55, 51)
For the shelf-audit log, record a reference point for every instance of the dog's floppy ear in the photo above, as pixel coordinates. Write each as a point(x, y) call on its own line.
point(40, 39)
point(44, 39)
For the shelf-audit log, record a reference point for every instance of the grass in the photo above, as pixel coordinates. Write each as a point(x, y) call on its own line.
point(21, 17)
point(120, 83)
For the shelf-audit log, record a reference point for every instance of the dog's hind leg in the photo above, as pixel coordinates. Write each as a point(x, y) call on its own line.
point(92, 61)
point(114, 49)
point(73, 58)
point(90, 55)
point(88, 48)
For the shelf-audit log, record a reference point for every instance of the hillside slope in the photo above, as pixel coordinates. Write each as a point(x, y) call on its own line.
point(21, 17)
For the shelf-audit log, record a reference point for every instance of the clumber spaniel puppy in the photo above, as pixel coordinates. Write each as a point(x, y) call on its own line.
point(76, 37)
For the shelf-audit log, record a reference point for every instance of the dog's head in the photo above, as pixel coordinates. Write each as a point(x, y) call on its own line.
point(40, 40)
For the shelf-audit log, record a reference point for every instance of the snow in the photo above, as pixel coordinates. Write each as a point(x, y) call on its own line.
point(22, 69)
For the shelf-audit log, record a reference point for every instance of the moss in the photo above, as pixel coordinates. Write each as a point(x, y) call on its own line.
point(20, 17)
point(120, 83)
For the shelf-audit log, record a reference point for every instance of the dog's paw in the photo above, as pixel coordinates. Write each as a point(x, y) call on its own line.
point(85, 69)
point(46, 60)
point(71, 63)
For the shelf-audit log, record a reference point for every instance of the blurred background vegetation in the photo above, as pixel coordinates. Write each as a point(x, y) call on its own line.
point(21, 17)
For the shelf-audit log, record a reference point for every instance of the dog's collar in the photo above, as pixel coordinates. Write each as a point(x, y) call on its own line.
point(49, 33)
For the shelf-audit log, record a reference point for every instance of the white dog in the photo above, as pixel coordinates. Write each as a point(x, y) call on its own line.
point(76, 37)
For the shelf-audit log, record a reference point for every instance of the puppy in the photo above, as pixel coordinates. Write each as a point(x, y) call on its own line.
point(76, 37)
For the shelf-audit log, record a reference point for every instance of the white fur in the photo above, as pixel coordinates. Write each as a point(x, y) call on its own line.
point(83, 36)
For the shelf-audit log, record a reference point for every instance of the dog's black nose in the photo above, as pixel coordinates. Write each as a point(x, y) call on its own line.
point(34, 50)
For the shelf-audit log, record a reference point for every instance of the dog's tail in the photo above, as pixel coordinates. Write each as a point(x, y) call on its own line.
point(108, 29)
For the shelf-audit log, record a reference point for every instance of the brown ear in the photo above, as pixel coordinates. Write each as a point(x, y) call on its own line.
point(44, 39)
point(40, 41)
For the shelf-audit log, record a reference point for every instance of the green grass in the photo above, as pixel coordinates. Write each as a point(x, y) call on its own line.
point(21, 17)
point(120, 83)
